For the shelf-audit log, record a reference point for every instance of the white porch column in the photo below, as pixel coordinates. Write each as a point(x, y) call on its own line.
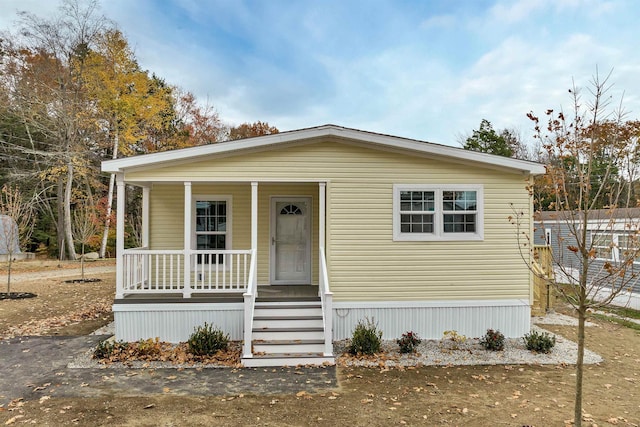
point(254, 215)
point(145, 216)
point(322, 214)
point(186, 293)
point(120, 215)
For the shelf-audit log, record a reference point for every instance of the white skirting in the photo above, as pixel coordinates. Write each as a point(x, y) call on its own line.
point(175, 322)
point(430, 319)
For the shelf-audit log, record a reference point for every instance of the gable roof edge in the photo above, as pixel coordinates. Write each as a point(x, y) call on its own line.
point(119, 165)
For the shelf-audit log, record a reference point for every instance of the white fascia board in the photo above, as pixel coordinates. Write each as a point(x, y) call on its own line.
point(119, 165)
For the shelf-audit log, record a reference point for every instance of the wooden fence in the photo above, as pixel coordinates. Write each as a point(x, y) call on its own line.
point(543, 293)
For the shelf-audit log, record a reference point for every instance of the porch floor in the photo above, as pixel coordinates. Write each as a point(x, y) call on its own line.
point(266, 293)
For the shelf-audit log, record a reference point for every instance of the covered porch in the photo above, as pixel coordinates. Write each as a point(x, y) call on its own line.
point(232, 255)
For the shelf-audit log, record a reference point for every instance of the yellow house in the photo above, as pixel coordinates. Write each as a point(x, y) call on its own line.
point(286, 241)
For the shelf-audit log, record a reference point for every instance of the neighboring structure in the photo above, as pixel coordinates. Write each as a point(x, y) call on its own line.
point(610, 232)
point(286, 241)
point(8, 236)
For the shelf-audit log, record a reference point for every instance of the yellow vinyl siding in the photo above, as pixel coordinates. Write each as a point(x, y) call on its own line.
point(365, 264)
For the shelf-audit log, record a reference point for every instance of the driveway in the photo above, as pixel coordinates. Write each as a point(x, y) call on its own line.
point(35, 367)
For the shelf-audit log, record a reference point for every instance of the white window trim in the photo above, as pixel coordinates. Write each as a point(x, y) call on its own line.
point(438, 234)
point(211, 198)
point(615, 249)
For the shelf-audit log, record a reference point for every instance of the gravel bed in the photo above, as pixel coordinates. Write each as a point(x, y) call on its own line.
point(429, 352)
point(445, 353)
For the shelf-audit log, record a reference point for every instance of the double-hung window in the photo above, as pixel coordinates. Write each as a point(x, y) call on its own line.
point(611, 246)
point(212, 226)
point(447, 212)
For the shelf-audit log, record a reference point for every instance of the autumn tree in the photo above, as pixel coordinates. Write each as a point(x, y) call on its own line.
point(249, 130)
point(592, 149)
point(16, 214)
point(43, 69)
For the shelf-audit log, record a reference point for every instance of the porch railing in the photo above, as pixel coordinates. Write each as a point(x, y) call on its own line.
point(249, 305)
point(326, 296)
point(162, 271)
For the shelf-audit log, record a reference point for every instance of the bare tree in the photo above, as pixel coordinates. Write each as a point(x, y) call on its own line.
point(85, 226)
point(16, 223)
point(591, 151)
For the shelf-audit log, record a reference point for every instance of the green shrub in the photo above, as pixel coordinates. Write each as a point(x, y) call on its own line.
point(207, 340)
point(408, 342)
point(107, 348)
point(539, 342)
point(366, 338)
point(492, 340)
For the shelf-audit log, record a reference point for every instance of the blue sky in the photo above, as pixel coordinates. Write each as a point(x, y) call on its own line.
point(430, 70)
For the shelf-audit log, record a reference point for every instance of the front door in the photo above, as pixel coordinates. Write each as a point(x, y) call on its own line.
point(290, 240)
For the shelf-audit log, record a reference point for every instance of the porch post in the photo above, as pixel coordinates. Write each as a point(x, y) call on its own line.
point(145, 216)
point(120, 208)
point(186, 292)
point(322, 213)
point(254, 216)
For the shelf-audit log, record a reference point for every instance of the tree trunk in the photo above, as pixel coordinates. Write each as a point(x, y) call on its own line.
point(67, 212)
point(579, 366)
point(60, 220)
point(107, 221)
point(112, 183)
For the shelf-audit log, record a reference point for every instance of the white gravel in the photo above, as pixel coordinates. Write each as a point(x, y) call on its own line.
point(470, 352)
point(432, 352)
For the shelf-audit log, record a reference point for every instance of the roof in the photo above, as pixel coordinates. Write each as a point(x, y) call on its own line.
point(328, 131)
point(593, 215)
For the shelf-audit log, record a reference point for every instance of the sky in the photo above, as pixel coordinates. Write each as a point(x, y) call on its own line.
point(429, 70)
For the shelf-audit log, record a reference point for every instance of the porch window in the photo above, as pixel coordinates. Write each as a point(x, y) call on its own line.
point(212, 218)
point(426, 212)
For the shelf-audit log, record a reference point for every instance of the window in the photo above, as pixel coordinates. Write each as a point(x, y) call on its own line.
point(212, 225)
point(603, 244)
point(614, 246)
point(425, 212)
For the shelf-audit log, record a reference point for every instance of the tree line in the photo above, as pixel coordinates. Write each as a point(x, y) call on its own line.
point(73, 94)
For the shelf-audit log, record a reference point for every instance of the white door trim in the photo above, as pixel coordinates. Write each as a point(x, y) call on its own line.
point(272, 239)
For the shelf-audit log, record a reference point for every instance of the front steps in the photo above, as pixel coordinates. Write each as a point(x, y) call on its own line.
point(288, 333)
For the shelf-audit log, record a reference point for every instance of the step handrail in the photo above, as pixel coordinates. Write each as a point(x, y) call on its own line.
point(326, 297)
point(249, 306)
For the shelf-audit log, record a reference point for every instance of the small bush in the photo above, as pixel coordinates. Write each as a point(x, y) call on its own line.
point(148, 347)
point(408, 342)
point(539, 342)
point(452, 340)
point(366, 338)
point(207, 340)
point(492, 340)
point(107, 348)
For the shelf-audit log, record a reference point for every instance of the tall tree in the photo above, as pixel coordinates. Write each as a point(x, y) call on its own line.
point(579, 182)
point(128, 104)
point(44, 69)
point(487, 140)
point(249, 130)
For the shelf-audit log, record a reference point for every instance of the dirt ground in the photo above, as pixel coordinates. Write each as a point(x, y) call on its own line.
point(525, 395)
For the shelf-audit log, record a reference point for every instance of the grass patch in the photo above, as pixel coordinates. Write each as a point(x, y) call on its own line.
point(620, 321)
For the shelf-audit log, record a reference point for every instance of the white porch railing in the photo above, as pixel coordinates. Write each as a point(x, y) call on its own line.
point(249, 306)
point(326, 296)
point(162, 271)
